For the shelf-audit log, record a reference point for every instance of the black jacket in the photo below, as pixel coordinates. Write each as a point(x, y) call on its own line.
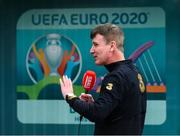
point(121, 105)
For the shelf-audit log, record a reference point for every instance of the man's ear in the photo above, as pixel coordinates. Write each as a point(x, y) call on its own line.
point(113, 46)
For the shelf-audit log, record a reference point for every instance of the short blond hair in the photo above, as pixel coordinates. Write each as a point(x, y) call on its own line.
point(110, 32)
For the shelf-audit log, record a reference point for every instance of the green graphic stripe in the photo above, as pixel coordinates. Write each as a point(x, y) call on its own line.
point(33, 91)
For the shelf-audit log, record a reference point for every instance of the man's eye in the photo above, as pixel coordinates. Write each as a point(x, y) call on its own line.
point(95, 44)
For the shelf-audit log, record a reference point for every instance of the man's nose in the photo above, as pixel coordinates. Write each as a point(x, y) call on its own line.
point(92, 50)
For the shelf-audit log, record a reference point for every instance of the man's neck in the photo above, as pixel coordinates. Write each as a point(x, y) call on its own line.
point(116, 56)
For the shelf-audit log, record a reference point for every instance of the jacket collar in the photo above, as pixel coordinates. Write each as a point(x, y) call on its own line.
point(115, 65)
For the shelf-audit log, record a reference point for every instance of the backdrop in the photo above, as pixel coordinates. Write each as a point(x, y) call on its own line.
point(31, 100)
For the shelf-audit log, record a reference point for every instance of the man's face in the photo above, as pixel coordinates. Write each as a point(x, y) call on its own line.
point(100, 50)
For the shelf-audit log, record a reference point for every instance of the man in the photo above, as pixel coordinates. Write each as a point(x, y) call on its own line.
point(121, 105)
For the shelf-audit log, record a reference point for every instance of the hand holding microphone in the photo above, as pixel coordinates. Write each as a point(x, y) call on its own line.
point(86, 97)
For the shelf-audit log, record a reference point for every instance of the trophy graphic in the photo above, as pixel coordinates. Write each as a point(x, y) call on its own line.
point(53, 52)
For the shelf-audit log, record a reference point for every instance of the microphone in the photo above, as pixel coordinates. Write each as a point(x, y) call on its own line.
point(89, 80)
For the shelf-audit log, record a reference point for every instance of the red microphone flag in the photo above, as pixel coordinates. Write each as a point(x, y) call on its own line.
point(89, 80)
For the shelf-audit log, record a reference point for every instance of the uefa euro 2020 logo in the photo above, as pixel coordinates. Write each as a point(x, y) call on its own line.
point(48, 58)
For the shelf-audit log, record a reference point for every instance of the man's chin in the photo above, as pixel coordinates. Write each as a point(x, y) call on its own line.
point(98, 63)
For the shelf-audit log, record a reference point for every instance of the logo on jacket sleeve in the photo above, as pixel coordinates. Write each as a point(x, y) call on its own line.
point(109, 86)
point(141, 83)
